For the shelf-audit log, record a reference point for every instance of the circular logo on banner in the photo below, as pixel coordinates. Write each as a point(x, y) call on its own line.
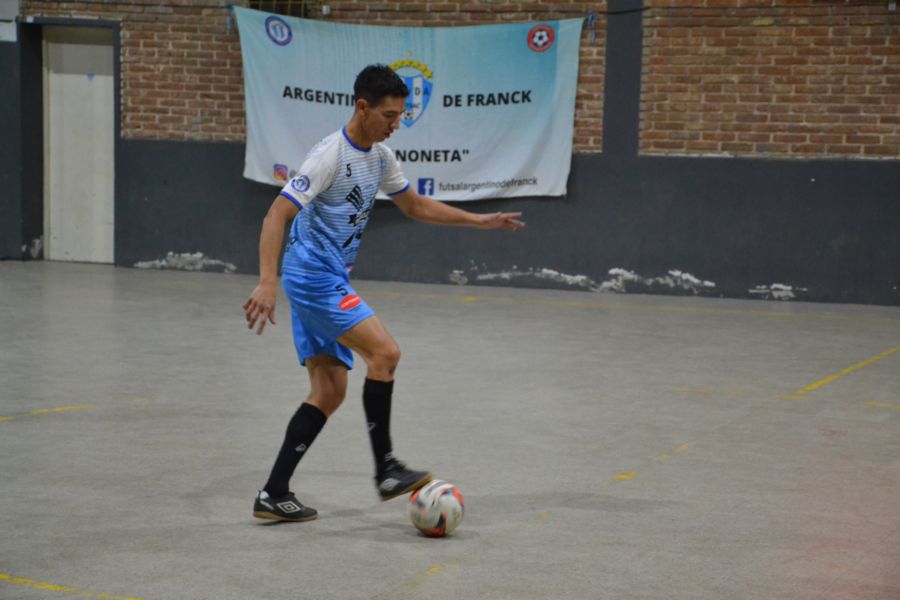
point(278, 31)
point(540, 38)
point(301, 184)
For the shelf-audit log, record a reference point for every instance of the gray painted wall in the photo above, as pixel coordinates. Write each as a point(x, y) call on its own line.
point(827, 226)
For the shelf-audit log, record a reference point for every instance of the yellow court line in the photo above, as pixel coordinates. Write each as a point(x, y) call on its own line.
point(664, 456)
point(796, 395)
point(52, 587)
point(633, 307)
point(882, 405)
point(45, 411)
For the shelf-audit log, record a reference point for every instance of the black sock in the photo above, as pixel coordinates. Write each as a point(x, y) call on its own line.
point(305, 425)
point(377, 404)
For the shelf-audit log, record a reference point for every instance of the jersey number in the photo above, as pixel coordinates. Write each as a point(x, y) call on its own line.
point(349, 173)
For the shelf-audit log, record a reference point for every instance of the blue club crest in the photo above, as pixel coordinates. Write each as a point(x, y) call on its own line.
point(417, 77)
point(417, 101)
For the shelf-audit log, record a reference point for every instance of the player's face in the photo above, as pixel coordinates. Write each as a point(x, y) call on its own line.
point(384, 118)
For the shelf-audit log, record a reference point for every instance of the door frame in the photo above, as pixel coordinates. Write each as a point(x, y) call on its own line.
point(32, 32)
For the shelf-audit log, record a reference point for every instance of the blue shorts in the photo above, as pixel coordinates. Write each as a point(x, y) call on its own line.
point(323, 307)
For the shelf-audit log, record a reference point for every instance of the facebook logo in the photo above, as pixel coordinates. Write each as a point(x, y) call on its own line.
point(426, 186)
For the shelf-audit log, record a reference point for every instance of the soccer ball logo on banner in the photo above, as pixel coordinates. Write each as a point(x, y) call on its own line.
point(540, 38)
point(417, 77)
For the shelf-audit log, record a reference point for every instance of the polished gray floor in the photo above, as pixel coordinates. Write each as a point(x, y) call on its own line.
point(608, 446)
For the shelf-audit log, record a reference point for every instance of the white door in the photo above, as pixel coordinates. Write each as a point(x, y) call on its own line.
point(79, 129)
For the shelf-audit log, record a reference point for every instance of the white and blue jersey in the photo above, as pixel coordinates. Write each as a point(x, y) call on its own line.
point(335, 190)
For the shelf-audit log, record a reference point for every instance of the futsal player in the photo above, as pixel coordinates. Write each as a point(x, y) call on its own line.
point(329, 203)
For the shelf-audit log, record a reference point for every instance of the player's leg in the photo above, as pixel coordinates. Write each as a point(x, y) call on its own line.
point(328, 386)
point(328, 383)
point(371, 340)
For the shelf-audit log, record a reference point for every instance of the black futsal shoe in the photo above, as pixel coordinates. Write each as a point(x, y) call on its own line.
point(283, 508)
point(394, 479)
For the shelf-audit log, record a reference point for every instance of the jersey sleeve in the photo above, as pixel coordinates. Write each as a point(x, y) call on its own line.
point(392, 180)
point(315, 175)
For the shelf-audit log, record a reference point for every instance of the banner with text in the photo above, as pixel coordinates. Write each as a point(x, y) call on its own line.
point(490, 112)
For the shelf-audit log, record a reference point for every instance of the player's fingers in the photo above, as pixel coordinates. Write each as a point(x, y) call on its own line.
point(262, 325)
point(251, 312)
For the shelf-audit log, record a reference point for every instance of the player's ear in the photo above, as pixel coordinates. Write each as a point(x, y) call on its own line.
point(362, 105)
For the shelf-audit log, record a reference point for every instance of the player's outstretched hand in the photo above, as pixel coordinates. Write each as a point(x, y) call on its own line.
point(502, 220)
point(260, 306)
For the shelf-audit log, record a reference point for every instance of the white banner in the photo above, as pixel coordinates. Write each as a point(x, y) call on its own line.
point(490, 112)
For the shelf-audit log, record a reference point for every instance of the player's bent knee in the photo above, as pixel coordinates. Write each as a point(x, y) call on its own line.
point(390, 356)
point(385, 359)
point(393, 355)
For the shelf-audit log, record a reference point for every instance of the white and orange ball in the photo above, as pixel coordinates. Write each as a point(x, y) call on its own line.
point(437, 508)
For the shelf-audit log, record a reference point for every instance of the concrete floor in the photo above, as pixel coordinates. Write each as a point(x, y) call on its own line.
point(620, 447)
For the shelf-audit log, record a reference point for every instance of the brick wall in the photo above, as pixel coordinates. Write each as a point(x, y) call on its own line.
point(771, 78)
point(804, 78)
point(181, 68)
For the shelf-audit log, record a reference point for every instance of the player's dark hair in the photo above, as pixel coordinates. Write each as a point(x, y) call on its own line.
point(376, 82)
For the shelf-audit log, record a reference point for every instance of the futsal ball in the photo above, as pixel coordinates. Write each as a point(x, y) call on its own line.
point(437, 508)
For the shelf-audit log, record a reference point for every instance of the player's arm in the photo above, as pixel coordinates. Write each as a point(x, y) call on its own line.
point(316, 174)
point(418, 207)
point(260, 306)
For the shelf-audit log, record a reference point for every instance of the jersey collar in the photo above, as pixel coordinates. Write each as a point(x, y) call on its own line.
point(349, 141)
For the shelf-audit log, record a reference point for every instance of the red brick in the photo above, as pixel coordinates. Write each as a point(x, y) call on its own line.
point(884, 150)
point(843, 149)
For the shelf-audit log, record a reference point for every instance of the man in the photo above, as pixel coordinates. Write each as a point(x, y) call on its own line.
point(329, 202)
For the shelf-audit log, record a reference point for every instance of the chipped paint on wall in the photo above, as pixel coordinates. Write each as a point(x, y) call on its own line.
point(187, 261)
point(458, 277)
point(620, 280)
point(581, 281)
point(674, 279)
point(776, 291)
point(35, 249)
